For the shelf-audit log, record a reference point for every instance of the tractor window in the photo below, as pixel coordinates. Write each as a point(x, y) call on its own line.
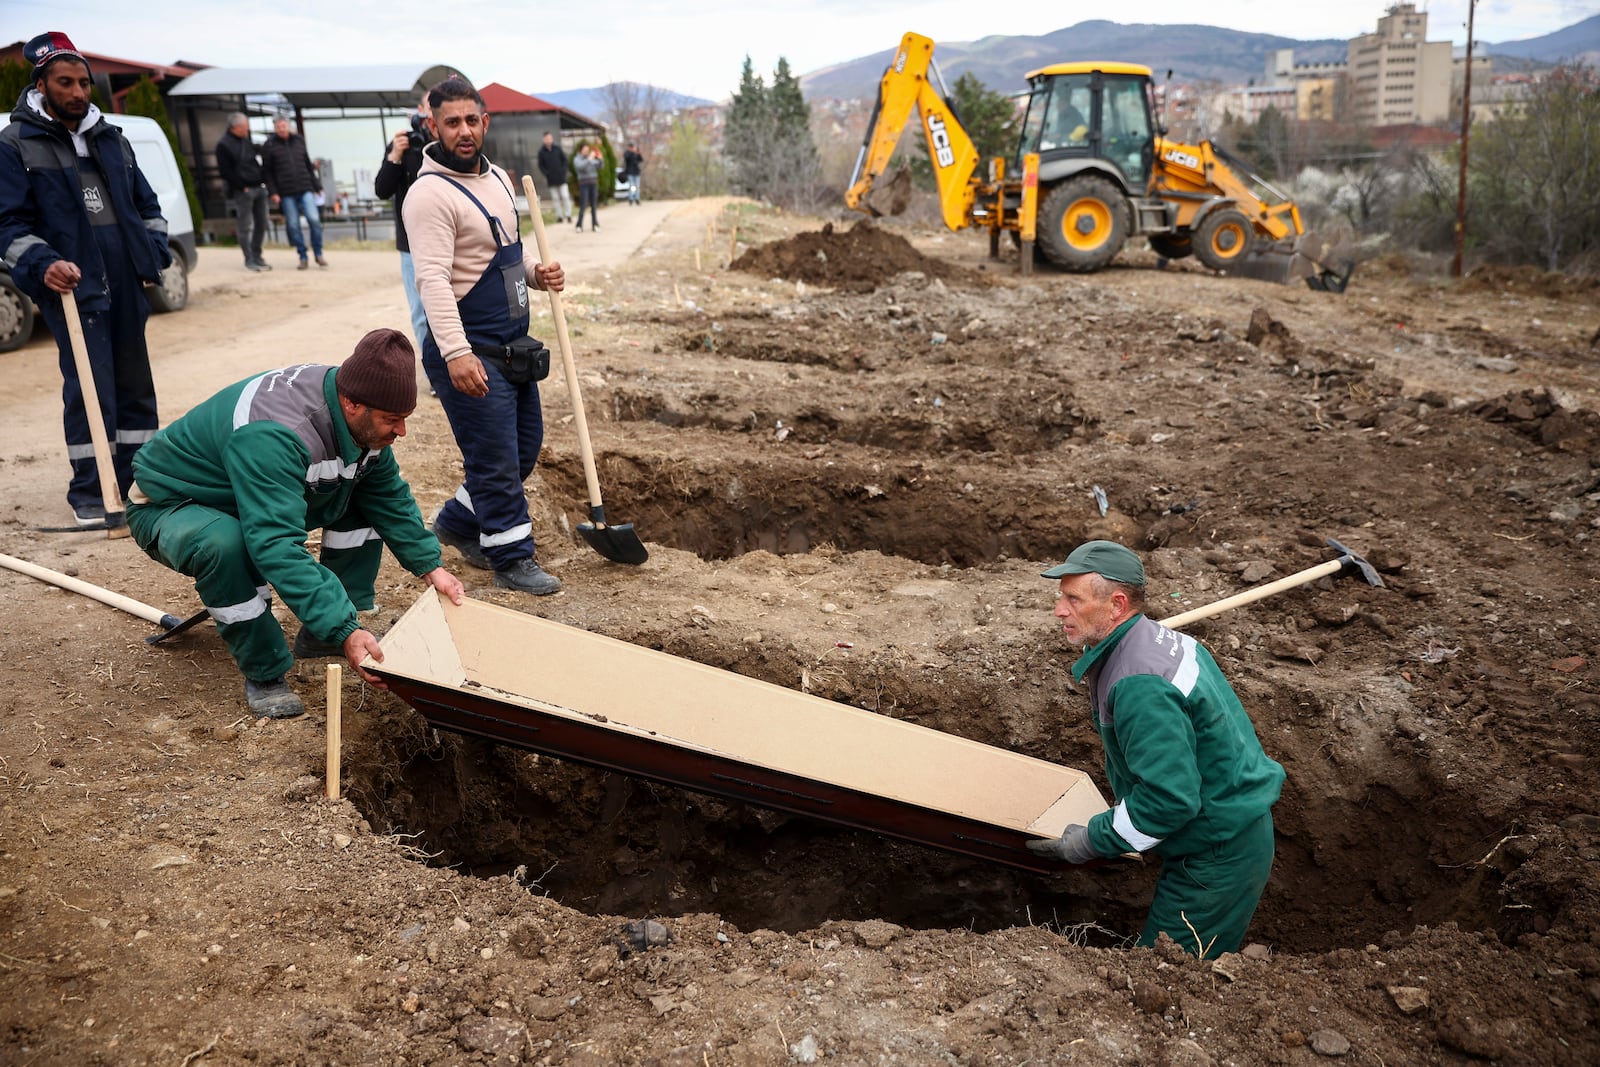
point(1066, 119)
point(1126, 118)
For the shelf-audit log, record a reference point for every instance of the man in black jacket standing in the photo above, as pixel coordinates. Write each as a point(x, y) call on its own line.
point(294, 185)
point(240, 166)
point(401, 160)
point(553, 165)
point(78, 216)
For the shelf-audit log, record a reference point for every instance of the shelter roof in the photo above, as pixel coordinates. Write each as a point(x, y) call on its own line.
point(385, 86)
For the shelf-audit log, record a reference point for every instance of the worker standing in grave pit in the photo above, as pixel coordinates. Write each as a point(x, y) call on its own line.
point(1192, 782)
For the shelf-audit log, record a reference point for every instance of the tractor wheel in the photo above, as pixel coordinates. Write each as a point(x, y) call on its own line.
point(1083, 223)
point(1224, 238)
point(1170, 245)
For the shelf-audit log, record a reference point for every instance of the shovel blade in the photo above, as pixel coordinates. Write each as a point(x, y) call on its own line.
point(619, 544)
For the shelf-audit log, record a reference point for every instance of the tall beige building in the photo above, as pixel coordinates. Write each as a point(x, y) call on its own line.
point(1398, 76)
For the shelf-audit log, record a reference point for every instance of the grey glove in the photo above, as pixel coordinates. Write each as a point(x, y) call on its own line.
point(1072, 846)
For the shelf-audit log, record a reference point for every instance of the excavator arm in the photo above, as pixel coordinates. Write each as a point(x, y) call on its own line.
point(905, 88)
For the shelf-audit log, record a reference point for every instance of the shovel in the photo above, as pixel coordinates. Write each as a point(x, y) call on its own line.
point(1347, 563)
point(115, 522)
point(619, 544)
point(170, 624)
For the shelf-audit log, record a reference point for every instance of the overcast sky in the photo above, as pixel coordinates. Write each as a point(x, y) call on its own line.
point(689, 46)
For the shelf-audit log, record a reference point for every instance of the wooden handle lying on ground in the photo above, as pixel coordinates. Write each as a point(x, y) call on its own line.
point(94, 592)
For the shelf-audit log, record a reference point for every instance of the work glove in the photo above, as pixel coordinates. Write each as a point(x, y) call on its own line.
point(1072, 846)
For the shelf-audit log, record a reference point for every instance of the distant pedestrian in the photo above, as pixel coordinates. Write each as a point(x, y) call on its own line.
point(632, 165)
point(588, 167)
point(396, 173)
point(294, 185)
point(553, 165)
point(239, 162)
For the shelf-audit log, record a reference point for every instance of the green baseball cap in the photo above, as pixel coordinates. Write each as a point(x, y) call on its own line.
point(1105, 558)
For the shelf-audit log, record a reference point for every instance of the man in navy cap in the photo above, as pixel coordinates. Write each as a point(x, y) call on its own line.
point(77, 216)
point(1191, 781)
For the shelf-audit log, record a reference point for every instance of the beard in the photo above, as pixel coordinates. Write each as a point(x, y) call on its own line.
point(461, 165)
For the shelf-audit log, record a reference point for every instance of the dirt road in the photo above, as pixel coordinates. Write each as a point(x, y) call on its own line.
point(850, 459)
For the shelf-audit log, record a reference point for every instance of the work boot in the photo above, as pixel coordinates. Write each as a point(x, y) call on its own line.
point(526, 576)
point(272, 700)
point(303, 264)
point(321, 262)
point(308, 646)
point(262, 264)
point(471, 552)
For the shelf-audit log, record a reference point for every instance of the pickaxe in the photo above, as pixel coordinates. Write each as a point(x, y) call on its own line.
point(1346, 563)
point(170, 624)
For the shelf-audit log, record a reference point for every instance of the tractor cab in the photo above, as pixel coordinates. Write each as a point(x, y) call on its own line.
point(1083, 116)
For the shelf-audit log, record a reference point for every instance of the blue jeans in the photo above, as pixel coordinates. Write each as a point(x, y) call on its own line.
point(419, 317)
point(633, 188)
point(295, 206)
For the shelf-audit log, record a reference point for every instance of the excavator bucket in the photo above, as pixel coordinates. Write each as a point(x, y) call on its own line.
point(1307, 258)
point(899, 190)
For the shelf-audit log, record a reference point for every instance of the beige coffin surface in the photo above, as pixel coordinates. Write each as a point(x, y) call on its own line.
point(564, 671)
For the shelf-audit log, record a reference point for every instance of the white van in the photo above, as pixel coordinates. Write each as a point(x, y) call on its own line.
point(154, 153)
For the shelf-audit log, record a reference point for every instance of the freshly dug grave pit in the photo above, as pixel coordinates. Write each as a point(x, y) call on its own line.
point(1362, 853)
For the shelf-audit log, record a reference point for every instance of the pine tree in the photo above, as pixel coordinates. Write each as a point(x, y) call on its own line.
point(749, 133)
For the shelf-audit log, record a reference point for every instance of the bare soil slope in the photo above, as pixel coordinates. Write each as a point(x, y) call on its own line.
point(849, 478)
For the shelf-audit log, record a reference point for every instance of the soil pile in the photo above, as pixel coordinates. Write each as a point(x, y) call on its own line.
point(856, 260)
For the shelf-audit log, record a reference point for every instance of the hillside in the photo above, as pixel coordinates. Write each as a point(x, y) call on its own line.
point(594, 103)
point(1193, 53)
point(1580, 41)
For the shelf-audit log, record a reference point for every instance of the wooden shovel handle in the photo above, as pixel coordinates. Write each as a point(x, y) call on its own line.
point(1250, 596)
point(110, 495)
point(585, 449)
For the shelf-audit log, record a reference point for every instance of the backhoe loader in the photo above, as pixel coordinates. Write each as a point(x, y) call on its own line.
point(1092, 169)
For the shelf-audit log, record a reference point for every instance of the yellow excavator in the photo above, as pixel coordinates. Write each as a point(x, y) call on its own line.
point(1092, 169)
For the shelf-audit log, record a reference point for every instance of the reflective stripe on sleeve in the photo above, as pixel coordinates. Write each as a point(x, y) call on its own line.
point(1122, 823)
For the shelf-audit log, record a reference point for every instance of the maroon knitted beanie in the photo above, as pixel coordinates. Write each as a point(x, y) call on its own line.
point(381, 373)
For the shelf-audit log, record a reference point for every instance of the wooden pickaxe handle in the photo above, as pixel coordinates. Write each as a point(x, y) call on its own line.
point(94, 592)
point(110, 495)
point(1250, 596)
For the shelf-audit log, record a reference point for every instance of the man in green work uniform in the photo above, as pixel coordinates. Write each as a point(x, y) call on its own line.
point(228, 493)
point(1190, 777)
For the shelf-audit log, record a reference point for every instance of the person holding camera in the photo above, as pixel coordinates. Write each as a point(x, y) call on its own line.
point(473, 277)
point(402, 159)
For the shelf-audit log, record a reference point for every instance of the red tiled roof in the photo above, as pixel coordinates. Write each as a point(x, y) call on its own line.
point(500, 100)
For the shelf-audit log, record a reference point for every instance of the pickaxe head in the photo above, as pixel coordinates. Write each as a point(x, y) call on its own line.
point(1354, 564)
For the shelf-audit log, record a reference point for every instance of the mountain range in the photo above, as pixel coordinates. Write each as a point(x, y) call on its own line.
point(1193, 53)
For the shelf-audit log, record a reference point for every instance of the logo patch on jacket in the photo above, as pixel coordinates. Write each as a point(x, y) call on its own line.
point(93, 202)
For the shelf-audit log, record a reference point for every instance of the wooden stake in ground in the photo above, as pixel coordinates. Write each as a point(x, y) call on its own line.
point(335, 727)
point(677, 296)
point(110, 495)
point(697, 261)
point(733, 243)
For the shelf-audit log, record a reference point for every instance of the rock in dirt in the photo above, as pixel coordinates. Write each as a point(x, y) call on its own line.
point(1152, 999)
point(804, 1050)
point(642, 934)
point(1409, 999)
point(1330, 1043)
point(1229, 965)
point(875, 933)
point(304, 788)
point(495, 1036)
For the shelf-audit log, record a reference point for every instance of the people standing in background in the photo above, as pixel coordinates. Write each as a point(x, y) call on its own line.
point(553, 165)
point(239, 163)
point(294, 185)
point(588, 167)
point(401, 161)
point(78, 216)
point(632, 165)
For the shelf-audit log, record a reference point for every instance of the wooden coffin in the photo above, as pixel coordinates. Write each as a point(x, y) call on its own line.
point(491, 672)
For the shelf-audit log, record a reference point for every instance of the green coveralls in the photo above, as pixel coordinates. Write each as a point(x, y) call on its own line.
point(1191, 780)
point(231, 490)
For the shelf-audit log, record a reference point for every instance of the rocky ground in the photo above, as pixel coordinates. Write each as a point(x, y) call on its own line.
point(850, 457)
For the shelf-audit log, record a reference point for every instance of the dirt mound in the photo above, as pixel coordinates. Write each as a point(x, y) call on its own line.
point(857, 260)
point(1529, 281)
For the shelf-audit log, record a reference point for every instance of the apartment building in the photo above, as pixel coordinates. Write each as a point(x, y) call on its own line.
point(1396, 75)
